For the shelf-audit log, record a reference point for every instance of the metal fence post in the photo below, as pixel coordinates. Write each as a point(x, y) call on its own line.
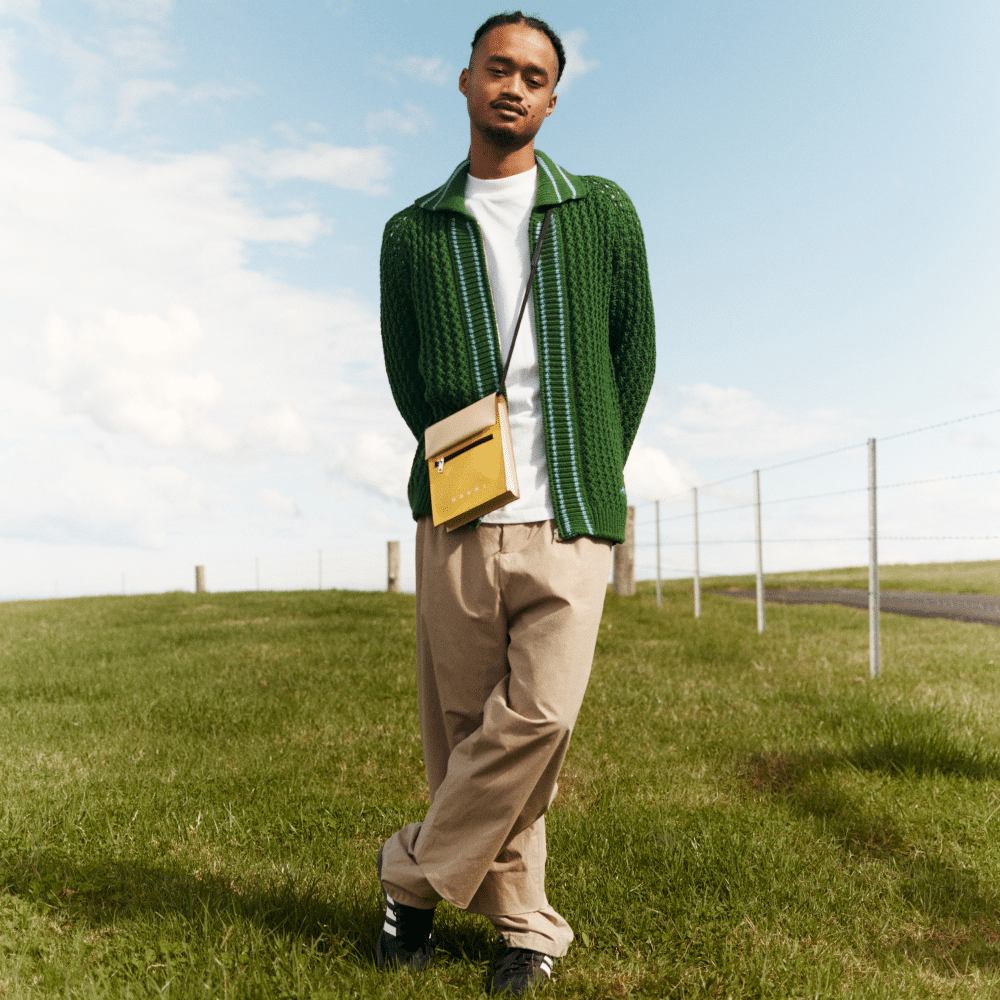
point(623, 579)
point(659, 587)
point(392, 574)
point(760, 553)
point(697, 561)
point(873, 594)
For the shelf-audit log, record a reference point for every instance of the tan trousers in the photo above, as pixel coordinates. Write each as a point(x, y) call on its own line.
point(507, 620)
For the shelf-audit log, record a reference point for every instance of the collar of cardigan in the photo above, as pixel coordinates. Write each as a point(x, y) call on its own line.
point(555, 185)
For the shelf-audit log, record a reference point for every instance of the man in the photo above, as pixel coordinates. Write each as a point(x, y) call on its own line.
point(508, 608)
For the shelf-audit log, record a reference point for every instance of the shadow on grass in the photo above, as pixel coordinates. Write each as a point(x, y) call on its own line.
point(903, 740)
point(899, 743)
point(790, 777)
point(896, 740)
point(104, 892)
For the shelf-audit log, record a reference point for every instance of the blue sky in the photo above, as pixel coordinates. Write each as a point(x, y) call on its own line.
point(191, 207)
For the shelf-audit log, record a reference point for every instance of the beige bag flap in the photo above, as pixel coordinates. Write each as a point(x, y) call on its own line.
point(461, 425)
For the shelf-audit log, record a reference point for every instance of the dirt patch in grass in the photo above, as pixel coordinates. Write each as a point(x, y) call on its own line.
point(775, 773)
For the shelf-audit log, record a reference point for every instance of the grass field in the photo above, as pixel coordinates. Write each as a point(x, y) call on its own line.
point(954, 578)
point(194, 788)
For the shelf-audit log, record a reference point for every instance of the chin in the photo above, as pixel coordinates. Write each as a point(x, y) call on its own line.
point(506, 139)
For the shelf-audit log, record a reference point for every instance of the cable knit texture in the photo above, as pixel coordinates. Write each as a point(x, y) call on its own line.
point(593, 321)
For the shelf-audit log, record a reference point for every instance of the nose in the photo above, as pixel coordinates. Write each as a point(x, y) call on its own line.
point(513, 87)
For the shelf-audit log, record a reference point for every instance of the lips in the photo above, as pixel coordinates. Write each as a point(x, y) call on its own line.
point(508, 106)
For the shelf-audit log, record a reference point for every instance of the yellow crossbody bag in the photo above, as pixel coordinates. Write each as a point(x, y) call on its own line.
point(470, 456)
point(472, 462)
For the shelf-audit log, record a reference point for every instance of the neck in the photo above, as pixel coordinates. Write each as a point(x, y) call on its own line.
point(488, 162)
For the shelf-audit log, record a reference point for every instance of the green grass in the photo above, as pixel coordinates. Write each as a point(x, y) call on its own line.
point(982, 577)
point(194, 789)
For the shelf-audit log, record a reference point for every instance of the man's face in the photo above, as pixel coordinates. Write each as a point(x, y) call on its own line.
point(508, 84)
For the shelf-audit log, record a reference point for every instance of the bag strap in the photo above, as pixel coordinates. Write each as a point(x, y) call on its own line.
point(527, 292)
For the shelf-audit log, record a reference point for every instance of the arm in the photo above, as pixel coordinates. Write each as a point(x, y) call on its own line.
point(400, 332)
point(632, 330)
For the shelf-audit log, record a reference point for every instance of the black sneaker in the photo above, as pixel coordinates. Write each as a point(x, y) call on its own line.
point(407, 938)
point(521, 970)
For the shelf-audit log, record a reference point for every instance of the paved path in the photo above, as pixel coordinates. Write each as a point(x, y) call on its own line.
point(983, 608)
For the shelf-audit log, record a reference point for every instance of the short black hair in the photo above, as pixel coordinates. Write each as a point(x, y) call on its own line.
point(532, 22)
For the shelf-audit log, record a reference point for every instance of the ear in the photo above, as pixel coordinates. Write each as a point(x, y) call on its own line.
point(551, 105)
point(463, 82)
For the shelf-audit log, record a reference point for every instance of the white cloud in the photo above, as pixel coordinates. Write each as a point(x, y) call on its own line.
point(133, 375)
point(380, 519)
point(281, 430)
point(18, 8)
point(729, 422)
point(280, 503)
point(115, 55)
point(424, 70)
point(151, 10)
point(576, 64)
point(152, 378)
point(973, 440)
point(651, 474)
point(126, 374)
point(346, 167)
point(377, 462)
point(59, 493)
point(972, 393)
point(137, 341)
point(137, 48)
point(8, 80)
point(216, 90)
point(99, 226)
point(412, 120)
point(133, 93)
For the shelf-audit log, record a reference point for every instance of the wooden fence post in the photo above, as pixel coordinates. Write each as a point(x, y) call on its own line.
point(624, 571)
point(392, 579)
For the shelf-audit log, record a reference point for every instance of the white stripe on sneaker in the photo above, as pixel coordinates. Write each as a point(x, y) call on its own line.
point(391, 916)
point(547, 966)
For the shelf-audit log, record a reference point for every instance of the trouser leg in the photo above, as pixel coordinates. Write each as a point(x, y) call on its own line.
point(496, 717)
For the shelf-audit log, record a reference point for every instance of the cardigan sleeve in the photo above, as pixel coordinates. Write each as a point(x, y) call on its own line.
point(400, 331)
point(632, 331)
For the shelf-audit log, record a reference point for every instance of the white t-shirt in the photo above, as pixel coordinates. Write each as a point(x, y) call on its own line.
point(502, 208)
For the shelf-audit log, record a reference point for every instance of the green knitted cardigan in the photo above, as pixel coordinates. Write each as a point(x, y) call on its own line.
point(593, 323)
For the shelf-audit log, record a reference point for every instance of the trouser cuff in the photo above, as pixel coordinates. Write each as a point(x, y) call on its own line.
point(544, 931)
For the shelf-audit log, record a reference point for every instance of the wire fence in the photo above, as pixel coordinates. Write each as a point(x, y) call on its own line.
point(356, 564)
point(301, 570)
point(306, 569)
point(722, 528)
